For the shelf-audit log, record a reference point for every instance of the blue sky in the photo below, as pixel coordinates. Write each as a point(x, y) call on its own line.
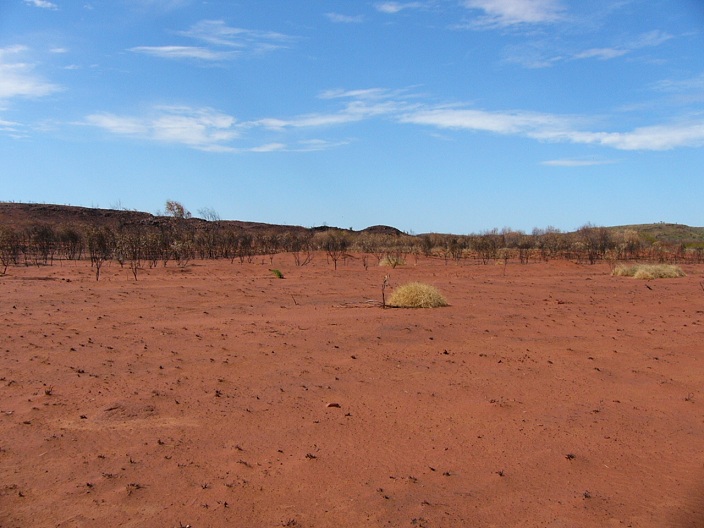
point(431, 115)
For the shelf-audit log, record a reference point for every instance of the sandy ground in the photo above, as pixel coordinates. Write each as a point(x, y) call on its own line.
point(220, 396)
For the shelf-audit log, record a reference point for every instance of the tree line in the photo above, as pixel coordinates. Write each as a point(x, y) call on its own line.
point(179, 240)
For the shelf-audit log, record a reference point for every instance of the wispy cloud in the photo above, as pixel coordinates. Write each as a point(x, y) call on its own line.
point(210, 130)
point(365, 93)
point(222, 42)
point(269, 147)
point(218, 33)
point(645, 40)
point(316, 145)
point(123, 125)
point(686, 91)
point(183, 52)
point(543, 54)
point(656, 137)
point(689, 84)
point(650, 39)
point(345, 19)
point(17, 79)
point(557, 128)
point(601, 53)
point(307, 121)
point(504, 13)
point(396, 7)
point(11, 128)
point(159, 5)
point(44, 4)
point(533, 55)
point(519, 123)
point(376, 102)
point(352, 112)
point(576, 162)
point(198, 128)
point(360, 105)
point(309, 145)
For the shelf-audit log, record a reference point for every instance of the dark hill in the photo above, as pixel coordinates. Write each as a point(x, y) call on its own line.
point(23, 215)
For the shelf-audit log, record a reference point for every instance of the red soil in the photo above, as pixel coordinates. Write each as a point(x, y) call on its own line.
point(218, 395)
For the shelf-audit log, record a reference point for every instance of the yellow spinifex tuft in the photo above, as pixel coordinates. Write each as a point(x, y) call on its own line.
point(416, 295)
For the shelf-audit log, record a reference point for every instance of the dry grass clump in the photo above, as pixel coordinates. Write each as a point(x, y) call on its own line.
point(392, 261)
point(649, 271)
point(416, 295)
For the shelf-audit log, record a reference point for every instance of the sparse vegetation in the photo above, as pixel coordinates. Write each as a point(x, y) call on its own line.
point(176, 209)
point(40, 235)
point(335, 245)
point(101, 246)
point(649, 271)
point(416, 295)
point(9, 248)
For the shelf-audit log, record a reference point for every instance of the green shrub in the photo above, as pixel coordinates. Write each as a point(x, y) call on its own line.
point(648, 271)
point(416, 295)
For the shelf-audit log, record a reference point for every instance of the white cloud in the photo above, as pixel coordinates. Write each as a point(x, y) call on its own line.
point(522, 123)
point(223, 43)
point(183, 52)
point(345, 19)
point(556, 128)
point(159, 5)
point(307, 121)
point(202, 129)
point(363, 104)
point(44, 4)
point(198, 128)
point(17, 79)
point(366, 93)
point(353, 111)
point(207, 129)
point(601, 53)
point(308, 145)
point(269, 147)
point(218, 33)
point(650, 39)
point(11, 128)
point(576, 163)
point(531, 55)
point(671, 85)
point(316, 145)
point(502, 13)
point(645, 40)
point(544, 54)
point(656, 137)
point(392, 8)
point(8, 125)
point(129, 126)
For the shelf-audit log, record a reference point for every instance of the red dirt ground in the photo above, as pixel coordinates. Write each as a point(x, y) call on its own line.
point(220, 396)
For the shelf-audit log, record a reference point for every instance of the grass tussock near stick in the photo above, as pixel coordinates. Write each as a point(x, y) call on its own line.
point(648, 271)
point(416, 295)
